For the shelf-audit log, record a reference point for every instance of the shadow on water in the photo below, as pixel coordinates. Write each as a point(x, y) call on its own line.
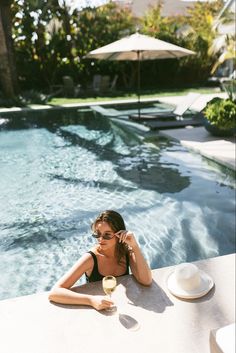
point(132, 159)
point(104, 185)
point(52, 120)
point(33, 233)
point(140, 165)
point(137, 170)
point(136, 163)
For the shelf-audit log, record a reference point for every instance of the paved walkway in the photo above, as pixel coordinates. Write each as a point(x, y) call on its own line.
point(198, 104)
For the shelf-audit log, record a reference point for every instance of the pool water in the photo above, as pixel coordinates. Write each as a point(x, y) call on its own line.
point(57, 172)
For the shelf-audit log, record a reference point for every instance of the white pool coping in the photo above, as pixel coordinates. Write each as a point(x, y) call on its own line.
point(197, 139)
point(149, 319)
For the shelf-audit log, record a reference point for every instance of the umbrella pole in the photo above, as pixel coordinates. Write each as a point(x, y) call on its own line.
point(138, 91)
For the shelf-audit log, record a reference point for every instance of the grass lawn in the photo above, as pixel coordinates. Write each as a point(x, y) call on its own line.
point(133, 95)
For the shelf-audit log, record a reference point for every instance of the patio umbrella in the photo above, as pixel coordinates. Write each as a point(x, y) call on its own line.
point(138, 47)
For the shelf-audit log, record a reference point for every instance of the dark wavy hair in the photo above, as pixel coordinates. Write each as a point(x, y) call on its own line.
point(116, 222)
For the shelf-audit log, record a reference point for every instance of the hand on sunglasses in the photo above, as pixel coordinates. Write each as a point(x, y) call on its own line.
point(127, 237)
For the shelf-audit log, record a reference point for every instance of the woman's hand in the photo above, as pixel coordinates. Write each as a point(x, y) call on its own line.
point(138, 264)
point(127, 237)
point(100, 302)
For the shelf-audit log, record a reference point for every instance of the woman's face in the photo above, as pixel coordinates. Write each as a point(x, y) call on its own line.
point(104, 229)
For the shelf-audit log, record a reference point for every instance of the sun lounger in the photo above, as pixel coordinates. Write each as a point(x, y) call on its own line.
point(174, 123)
point(112, 113)
point(180, 109)
point(108, 112)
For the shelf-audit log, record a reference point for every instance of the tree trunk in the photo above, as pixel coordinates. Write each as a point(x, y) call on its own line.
point(7, 68)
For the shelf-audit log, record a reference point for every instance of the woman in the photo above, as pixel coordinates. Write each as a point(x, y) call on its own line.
point(115, 252)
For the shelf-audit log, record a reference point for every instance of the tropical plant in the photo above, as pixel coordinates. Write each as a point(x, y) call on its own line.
point(100, 26)
point(223, 46)
point(199, 38)
point(221, 113)
point(51, 40)
point(41, 48)
point(193, 31)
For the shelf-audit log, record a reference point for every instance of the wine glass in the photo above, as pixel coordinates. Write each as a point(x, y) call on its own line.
point(109, 284)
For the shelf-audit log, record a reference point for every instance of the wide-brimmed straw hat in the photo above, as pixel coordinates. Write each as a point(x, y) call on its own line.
point(188, 282)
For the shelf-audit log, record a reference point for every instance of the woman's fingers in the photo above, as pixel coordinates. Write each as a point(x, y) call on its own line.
point(101, 302)
point(122, 235)
point(127, 237)
point(107, 303)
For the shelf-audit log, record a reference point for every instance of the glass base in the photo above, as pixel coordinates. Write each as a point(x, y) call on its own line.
point(111, 311)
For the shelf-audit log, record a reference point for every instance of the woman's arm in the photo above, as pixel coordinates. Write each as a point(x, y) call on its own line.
point(138, 264)
point(63, 293)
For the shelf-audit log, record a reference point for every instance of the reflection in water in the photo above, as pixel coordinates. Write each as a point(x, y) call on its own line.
point(58, 171)
point(138, 165)
point(155, 178)
point(129, 322)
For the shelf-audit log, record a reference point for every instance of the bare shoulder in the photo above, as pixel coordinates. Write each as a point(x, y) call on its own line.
point(85, 262)
point(95, 250)
point(86, 258)
point(83, 265)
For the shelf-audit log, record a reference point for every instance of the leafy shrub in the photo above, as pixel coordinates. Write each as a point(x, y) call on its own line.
point(10, 102)
point(221, 113)
point(33, 97)
point(26, 98)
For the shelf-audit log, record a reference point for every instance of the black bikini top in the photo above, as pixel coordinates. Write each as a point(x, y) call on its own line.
point(96, 276)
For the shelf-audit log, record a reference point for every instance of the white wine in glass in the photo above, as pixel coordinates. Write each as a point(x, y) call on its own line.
point(109, 285)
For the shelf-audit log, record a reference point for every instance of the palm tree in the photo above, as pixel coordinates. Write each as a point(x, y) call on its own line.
point(224, 44)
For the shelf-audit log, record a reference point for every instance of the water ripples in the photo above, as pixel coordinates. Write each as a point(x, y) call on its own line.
point(58, 173)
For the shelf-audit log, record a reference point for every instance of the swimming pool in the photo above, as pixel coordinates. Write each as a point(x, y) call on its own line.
point(57, 172)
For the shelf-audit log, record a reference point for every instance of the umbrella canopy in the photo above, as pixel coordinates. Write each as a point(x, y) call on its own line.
point(138, 47)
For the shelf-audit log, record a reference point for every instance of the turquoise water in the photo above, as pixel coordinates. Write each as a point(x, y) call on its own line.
point(57, 173)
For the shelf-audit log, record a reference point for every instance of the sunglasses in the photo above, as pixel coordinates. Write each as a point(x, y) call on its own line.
point(106, 236)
